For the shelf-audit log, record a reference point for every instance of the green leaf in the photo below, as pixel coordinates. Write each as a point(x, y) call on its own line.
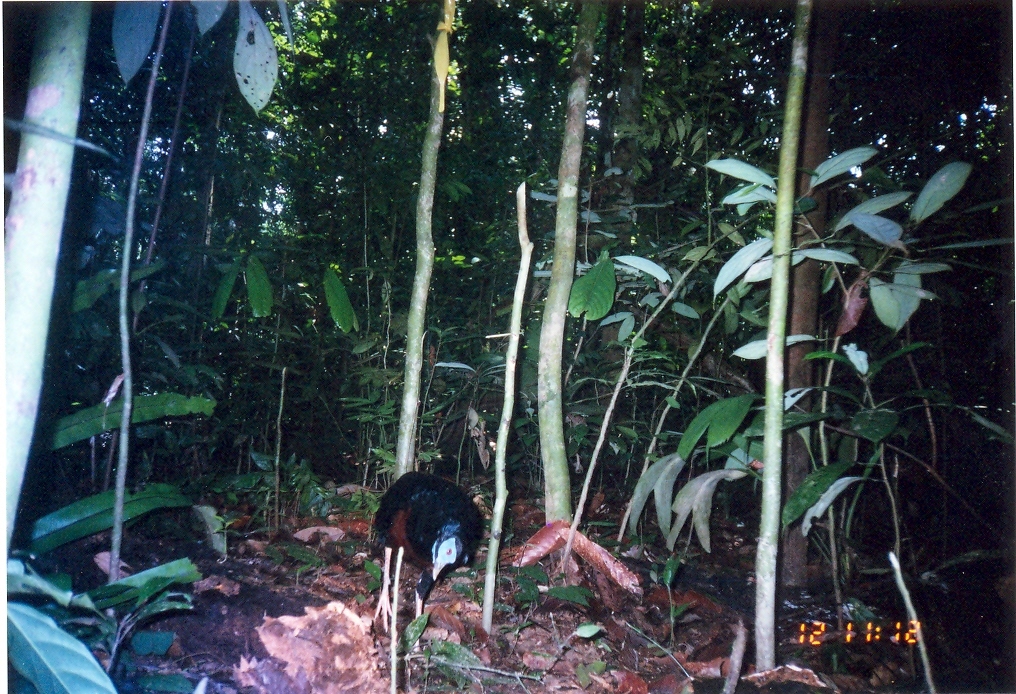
point(448, 653)
point(95, 514)
point(575, 594)
point(841, 163)
point(88, 291)
point(872, 206)
point(94, 420)
point(142, 586)
point(684, 310)
point(255, 61)
point(739, 264)
point(746, 196)
point(588, 630)
point(644, 265)
point(208, 13)
point(259, 289)
point(593, 293)
point(696, 498)
point(946, 182)
point(50, 658)
point(152, 642)
point(828, 497)
point(134, 26)
point(745, 172)
point(896, 302)
point(338, 303)
point(828, 255)
point(225, 290)
point(874, 425)
point(809, 491)
point(175, 682)
point(215, 526)
point(412, 633)
point(756, 349)
point(22, 580)
point(883, 230)
point(721, 419)
point(663, 490)
point(373, 569)
point(647, 483)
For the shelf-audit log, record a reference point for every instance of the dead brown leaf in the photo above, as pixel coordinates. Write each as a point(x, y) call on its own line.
point(327, 651)
point(308, 534)
point(630, 683)
point(854, 303)
point(219, 583)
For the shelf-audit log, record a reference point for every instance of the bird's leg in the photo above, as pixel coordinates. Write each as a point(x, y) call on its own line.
point(384, 605)
point(419, 605)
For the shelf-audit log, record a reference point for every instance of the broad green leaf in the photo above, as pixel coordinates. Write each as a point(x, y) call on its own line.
point(811, 489)
point(215, 527)
point(762, 269)
point(255, 61)
point(663, 491)
point(618, 317)
point(575, 594)
point(170, 682)
point(835, 489)
point(208, 13)
point(593, 293)
point(917, 268)
point(895, 302)
point(259, 289)
point(588, 630)
point(22, 580)
point(94, 420)
point(626, 329)
point(644, 265)
point(338, 303)
point(134, 25)
point(412, 633)
point(684, 310)
point(756, 349)
point(88, 291)
point(746, 196)
point(828, 255)
point(743, 171)
point(739, 264)
point(152, 642)
point(95, 513)
point(224, 290)
point(1000, 432)
point(946, 182)
point(647, 484)
point(883, 230)
point(142, 586)
point(841, 163)
point(721, 419)
point(874, 425)
point(50, 658)
point(873, 206)
point(453, 654)
point(696, 498)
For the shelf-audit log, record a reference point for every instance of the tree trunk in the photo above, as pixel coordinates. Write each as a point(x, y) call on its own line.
point(552, 446)
point(404, 459)
point(806, 278)
point(35, 221)
point(769, 525)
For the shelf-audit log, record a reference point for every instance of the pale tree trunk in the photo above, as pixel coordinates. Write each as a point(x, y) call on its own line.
point(769, 525)
point(806, 279)
point(35, 221)
point(404, 458)
point(552, 446)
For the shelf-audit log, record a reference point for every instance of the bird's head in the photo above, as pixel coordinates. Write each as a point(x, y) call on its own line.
point(447, 552)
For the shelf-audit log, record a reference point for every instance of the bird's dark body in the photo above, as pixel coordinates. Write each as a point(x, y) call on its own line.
point(420, 511)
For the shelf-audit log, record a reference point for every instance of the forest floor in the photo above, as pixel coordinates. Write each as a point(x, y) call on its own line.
point(293, 612)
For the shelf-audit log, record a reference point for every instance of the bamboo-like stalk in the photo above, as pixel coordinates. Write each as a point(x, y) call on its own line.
point(769, 530)
point(507, 409)
point(32, 229)
point(557, 486)
point(404, 458)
